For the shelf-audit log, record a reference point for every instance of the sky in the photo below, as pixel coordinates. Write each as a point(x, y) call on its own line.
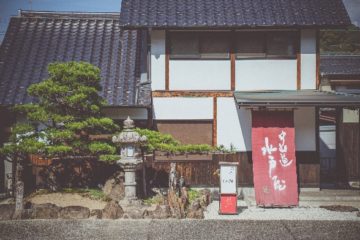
point(10, 8)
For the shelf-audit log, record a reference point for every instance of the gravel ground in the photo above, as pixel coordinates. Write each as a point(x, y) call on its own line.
point(300, 213)
point(68, 199)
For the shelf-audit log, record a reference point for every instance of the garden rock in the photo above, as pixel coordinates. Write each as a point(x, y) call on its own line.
point(7, 211)
point(134, 214)
point(74, 212)
point(161, 212)
point(96, 214)
point(112, 210)
point(197, 214)
point(205, 198)
point(24, 214)
point(46, 211)
point(114, 188)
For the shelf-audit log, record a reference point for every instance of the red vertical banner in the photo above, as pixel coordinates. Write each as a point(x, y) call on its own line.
point(274, 160)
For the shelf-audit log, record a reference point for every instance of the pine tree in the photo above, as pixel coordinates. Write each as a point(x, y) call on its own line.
point(66, 113)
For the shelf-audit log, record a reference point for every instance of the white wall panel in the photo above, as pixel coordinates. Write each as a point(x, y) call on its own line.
point(182, 108)
point(305, 129)
point(200, 75)
point(158, 60)
point(233, 125)
point(123, 113)
point(308, 59)
point(266, 74)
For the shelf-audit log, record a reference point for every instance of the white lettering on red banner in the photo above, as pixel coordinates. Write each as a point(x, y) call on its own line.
point(267, 150)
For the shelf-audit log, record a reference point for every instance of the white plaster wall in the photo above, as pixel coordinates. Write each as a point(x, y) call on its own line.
point(266, 74)
point(157, 69)
point(200, 75)
point(123, 113)
point(183, 108)
point(305, 129)
point(308, 59)
point(233, 125)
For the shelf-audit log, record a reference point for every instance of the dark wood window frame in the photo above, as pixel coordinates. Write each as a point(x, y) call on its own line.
point(201, 37)
point(232, 37)
point(265, 45)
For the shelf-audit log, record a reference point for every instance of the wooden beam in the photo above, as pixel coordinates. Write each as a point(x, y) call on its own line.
point(192, 94)
point(317, 59)
point(167, 61)
point(214, 135)
point(233, 60)
point(298, 77)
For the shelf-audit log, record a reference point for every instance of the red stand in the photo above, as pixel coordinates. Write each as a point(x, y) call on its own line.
point(228, 204)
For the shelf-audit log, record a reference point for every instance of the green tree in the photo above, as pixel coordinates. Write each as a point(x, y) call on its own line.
point(67, 112)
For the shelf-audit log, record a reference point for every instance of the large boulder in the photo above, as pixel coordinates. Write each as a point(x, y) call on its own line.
point(74, 212)
point(46, 211)
point(114, 188)
point(112, 210)
point(7, 211)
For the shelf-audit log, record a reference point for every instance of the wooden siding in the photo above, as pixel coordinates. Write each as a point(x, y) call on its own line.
point(349, 152)
point(203, 173)
point(187, 132)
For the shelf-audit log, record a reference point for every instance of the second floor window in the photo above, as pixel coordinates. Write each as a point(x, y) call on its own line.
point(199, 45)
point(245, 44)
point(277, 44)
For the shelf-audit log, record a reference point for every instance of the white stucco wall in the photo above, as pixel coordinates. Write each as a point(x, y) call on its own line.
point(183, 108)
point(123, 113)
point(200, 75)
point(233, 125)
point(265, 74)
point(308, 59)
point(305, 129)
point(157, 69)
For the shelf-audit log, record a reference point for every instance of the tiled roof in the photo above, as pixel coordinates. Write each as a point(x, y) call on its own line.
point(340, 66)
point(233, 13)
point(35, 39)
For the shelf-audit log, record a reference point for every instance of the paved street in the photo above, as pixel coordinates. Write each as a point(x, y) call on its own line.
point(178, 229)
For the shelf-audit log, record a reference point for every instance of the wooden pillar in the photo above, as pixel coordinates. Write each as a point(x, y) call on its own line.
point(214, 135)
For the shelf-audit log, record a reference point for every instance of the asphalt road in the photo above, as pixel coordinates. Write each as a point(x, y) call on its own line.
point(178, 229)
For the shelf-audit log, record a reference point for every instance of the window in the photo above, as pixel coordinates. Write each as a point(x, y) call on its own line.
point(277, 44)
point(199, 45)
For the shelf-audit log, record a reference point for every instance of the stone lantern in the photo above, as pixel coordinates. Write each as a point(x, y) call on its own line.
point(130, 156)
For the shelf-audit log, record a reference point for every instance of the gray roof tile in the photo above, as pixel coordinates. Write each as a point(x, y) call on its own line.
point(233, 13)
point(340, 66)
point(34, 39)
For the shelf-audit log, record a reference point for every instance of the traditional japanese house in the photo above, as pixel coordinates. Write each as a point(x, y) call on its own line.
point(243, 74)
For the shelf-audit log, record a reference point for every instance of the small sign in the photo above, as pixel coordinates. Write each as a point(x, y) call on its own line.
point(228, 180)
point(228, 188)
